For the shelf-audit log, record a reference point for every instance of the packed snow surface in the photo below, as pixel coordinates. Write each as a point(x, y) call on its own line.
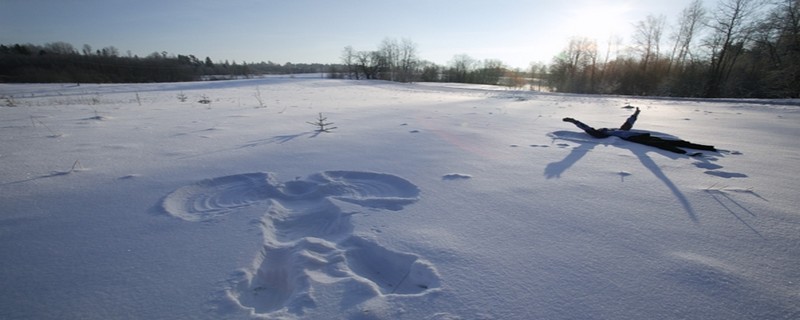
point(428, 201)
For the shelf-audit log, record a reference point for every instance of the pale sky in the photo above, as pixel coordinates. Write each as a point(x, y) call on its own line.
point(516, 32)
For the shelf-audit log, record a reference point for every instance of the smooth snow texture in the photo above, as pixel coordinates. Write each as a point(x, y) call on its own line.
point(428, 201)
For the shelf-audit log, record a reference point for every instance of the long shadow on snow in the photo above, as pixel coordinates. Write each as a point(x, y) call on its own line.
point(586, 143)
point(280, 139)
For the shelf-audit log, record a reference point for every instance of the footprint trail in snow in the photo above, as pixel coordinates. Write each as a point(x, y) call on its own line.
point(308, 237)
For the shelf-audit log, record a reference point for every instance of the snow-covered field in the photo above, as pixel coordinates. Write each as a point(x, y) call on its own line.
point(428, 201)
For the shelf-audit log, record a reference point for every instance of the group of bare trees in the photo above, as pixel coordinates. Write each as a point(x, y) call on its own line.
point(741, 48)
point(398, 61)
point(394, 60)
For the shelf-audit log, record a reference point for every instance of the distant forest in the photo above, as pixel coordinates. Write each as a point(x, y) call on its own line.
point(741, 49)
point(61, 62)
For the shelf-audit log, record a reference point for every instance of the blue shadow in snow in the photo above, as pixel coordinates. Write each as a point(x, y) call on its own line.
point(586, 143)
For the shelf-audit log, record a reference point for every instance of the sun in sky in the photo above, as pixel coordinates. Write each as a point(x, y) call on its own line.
point(599, 21)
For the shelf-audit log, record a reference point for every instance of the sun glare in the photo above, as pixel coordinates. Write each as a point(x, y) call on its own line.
point(599, 22)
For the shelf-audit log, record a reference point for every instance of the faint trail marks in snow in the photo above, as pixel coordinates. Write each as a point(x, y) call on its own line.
point(308, 237)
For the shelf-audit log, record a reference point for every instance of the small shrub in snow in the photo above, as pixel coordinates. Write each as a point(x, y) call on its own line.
point(258, 97)
point(76, 166)
point(322, 124)
point(204, 100)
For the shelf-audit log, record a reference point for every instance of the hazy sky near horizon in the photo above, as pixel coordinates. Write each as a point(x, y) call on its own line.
point(516, 32)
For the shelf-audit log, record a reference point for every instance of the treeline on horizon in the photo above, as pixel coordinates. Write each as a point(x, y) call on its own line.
point(61, 62)
point(740, 49)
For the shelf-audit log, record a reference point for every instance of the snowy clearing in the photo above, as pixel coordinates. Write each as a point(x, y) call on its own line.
point(428, 201)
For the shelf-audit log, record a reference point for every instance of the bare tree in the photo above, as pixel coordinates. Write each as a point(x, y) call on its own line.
point(112, 51)
point(689, 24)
point(429, 71)
point(390, 52)
point(349, 60)
point(490, 71)
point(59, 47)
point(400, 58)
point(370, 63)
point(574, 69)
point(777, 45)
point(732, 27)
point(647, 38)
point(538, 73)
point(460, 67)
point(87, 50)
point(408, 60)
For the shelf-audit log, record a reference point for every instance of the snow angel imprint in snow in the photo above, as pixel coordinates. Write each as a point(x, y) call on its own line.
point(644, 138)
point(219, 196)
point(308, 239)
